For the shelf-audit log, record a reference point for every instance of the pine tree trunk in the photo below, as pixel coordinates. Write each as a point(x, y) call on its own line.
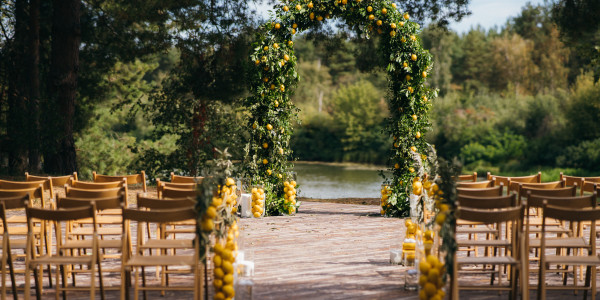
point(64, 64)
point(34, 86)
point(15, 127)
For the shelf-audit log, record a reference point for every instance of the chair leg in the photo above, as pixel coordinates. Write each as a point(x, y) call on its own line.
point(93, 281)
point(102, 295)
point(28, 282)
point(12, 275)
point(63, 274)
point(136, 295)
point(37, 277)
point(144, 283)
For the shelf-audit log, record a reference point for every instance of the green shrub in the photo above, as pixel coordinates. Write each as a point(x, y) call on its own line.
point(585, 155)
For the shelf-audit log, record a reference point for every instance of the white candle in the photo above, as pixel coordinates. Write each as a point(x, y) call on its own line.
point(395, 256)
point(246, 202)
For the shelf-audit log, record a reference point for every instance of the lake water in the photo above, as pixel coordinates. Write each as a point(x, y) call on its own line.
point(331, 181)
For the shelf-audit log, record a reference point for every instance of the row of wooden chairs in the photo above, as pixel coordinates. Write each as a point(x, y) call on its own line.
point(531, 221)
point(70, 211)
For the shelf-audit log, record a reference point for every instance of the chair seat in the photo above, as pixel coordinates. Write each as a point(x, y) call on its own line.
point(17, 244)
point(62, 260)
point(475, 230)
point(20, 230)
point(103, 219)
point(168, 244)
point(87, 244)
point(180, 230)
point(171, 260)
point(17, 219)
point(572, 260)
point(497, 260)
point(574, 242)
point(484, 243)
point(101, 231)
point(460, 222)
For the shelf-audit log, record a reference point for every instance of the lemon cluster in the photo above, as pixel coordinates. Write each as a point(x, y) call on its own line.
point(410, 242)
point(258, 202)
point(434, 191)
point(207, 223)
point(223, 260)
point(386, 192)
point(289, 190)
point(229, 193)
point(431, 280)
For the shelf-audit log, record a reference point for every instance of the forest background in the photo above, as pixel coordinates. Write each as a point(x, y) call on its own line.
point(514, 99)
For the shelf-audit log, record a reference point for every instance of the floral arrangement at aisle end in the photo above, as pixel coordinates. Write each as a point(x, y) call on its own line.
point(273, 77)
point(216, 206)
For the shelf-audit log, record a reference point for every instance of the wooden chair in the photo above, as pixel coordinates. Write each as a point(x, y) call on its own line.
point(7, 245)
point(131, 179)
point(98, 185)
point(58, 219)
point(475, 228)
point(77, 238)
point(55, 181)
point(591, 260)
point(564, 235)
point(589, 187)
point(185, 179)
point(140, 258)
point(475, 185)
point(516, 186)
point(511, 218)
point(470, 177)
point(17, 188)
point(173, 193)
point(106, 217)
point(160, 185)
point(483, 192)
point(537, 178)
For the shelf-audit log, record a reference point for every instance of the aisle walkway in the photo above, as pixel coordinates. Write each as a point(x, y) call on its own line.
point(326, 251)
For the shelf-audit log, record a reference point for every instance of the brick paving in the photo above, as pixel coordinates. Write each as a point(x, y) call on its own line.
point(325, 251)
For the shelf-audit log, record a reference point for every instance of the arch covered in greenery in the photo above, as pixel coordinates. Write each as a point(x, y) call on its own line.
point(273, 77)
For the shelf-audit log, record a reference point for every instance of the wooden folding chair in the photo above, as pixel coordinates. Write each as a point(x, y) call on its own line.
point(55, 181)
point(480, 192)
point(76, 238)
point(475, 185)
point(475, 228)
point(469, 177)
point(185, 179)
point(591, 261)
point(511, 217)
point(506, 180)
point(58, 219)
point(7, 245)
point(160, 185)
point(140, 259)
point(131, 179)
point(173, 193)
point(564, 235)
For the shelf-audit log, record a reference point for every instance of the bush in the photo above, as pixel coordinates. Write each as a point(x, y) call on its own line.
point(585, 155)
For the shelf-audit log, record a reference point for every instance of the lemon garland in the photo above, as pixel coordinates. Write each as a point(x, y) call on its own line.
point(273, 77)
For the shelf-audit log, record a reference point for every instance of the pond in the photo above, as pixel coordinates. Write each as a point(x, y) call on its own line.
point(331, 181)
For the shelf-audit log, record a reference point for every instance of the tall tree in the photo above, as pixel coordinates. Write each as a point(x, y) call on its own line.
point(34, 87)
point(62, 86)
point(17, 93)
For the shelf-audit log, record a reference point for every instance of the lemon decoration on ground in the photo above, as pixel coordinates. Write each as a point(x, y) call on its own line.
point(258, 202)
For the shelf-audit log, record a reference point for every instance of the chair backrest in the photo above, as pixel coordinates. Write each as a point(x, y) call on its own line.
point(571, 180)
point(476, 185)
point(589, 187)
point(33, 193)
point(537, 200)
point(182, 186)
point(496, 202)
point(489, 216)
point(185, 179)
point(556, 188)
point(19, 185)
point(58, 215)
point(95, 194)
point(55, 180)
point(131, 179)
point(177, 193)
point(101, 203)
point(98, 185)
point(484, 192)
point(155, 203)
point(9, 203)
point(160, 215)
point(469, 177)
point(537, 178)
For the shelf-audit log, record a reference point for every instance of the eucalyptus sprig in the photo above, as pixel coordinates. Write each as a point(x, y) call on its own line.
point(210, 194)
